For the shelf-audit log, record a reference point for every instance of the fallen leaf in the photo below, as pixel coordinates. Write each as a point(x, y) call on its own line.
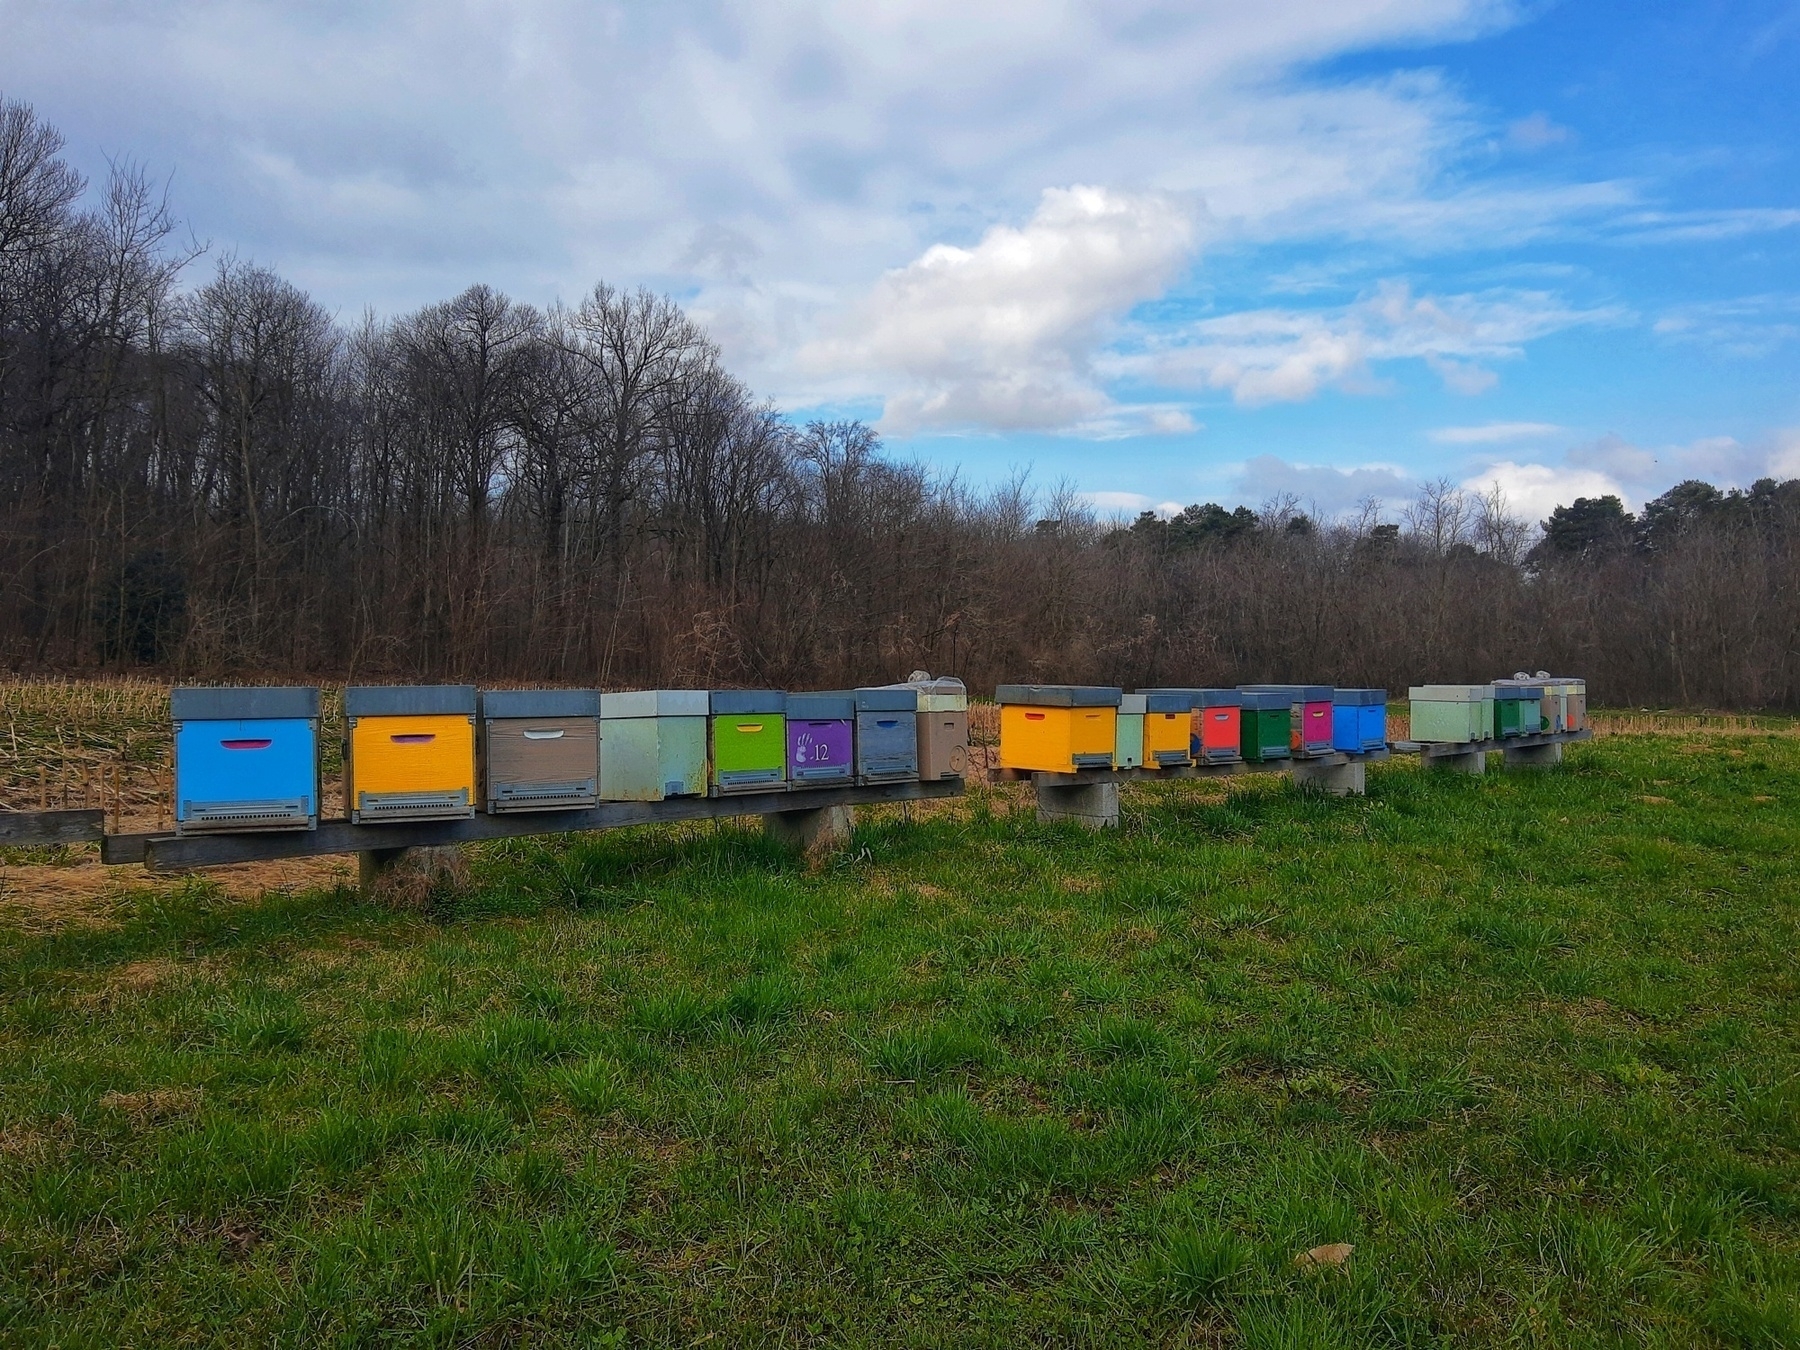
point(1330, 1256)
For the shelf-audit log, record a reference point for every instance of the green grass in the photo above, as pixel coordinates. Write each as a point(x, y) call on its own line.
point(1529, 1043)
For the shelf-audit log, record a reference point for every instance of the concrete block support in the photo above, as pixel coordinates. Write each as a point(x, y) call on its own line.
point(373, 866)
point(1340, 780)
point(814, 831)
point(1534, 756)
point(1092, 805)
point(1473, 761)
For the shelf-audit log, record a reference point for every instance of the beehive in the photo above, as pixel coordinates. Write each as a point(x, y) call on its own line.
point(943, 727)
point(1169, 729)
point(653, 744)
point(409, 752)
point(1453, 714)
point(887, 734)
point(245, 759)
point(1218, 726)
point(1517, 708)
point(821, 739)
point(1309, 731)
point(1128, 738)
point(748, 733)
point(540, 749)
point(1266, 721)
point(1358, 720)
point(1057, 728)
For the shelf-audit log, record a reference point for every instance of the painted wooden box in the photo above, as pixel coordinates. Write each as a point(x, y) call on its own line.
point(1265, 726)
point(653, 744)
point(887, 734)
point(1128, 738)
point(1168, 729)
point(409, 752)
point(748, 731)
point(1057, 728)
point(1358, 720)
point(540, 749)
point(1309, 732)
point(245, 759)
point(821, 739)
point(1218, 726)
point(1518, 709)
point(1452, 714)
point(943, 727)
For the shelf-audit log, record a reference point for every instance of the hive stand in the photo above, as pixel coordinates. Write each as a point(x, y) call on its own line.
point(40, 829)
point(1533, 756)
point(1338, 780)
point(814, 831)
point(814, 817)
point(1093, 806)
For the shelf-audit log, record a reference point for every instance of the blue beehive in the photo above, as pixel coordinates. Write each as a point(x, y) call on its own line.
point(1358, 720)
point(887, 734)
point(245, 759)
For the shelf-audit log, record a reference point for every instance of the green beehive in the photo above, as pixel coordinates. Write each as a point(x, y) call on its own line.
point(1128, 752)
point(1518, 709)
point(653, 744)
point(1266, 727)
point(749, 740)
point(1452, 714)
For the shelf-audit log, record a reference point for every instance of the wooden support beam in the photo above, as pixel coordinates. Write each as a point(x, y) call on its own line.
point(180, 853)
point(35, 829)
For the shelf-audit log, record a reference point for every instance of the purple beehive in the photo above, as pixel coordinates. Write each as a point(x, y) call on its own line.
point(821, 739)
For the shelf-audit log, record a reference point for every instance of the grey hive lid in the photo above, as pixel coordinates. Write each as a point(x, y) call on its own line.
point(892, 698)
point(1519, 693)
point(1358, 698)
point(1218, 698)
point(1450, 693)
point(1298, 693)
point(230, 704)
point(540, 703)
point(736, 702)
point(1133, 705)
point(656, 703)
point(1265, 700)
point(1171, 700)
point(1060, 695)
point(820, 707)
point(409, 700)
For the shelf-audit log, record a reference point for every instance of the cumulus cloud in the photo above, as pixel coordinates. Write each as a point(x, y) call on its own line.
point(1286, 355)
point(1116, 504)
point(1002, 334)
point(1535, 490)
point(1493, 433)
point(1329, 490)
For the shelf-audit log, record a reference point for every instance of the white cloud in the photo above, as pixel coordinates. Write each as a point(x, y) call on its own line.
point(1284, 355)
point(1535, 490)
point(1002, 334)
point(1329, 490)
point(1115, 504)
point(1494, 433)
point(1750, 325)
point(1536, 132)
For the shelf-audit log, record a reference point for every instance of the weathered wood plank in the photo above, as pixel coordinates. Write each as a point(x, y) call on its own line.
point(180, 853)
point(31, 829)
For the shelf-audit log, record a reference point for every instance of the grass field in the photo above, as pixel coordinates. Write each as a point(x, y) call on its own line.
point(1530, 1045)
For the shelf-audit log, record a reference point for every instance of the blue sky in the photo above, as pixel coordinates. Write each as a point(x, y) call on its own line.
point(1165, 252)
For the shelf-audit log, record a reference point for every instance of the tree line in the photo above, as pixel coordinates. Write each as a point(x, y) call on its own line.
point(225, 481)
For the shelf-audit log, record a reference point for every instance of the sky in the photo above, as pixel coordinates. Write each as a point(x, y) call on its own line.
point(1159, 252)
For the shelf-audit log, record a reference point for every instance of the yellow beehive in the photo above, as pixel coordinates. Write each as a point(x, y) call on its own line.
point(1057, 728)
point(409, 753)
point(1168, 731)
